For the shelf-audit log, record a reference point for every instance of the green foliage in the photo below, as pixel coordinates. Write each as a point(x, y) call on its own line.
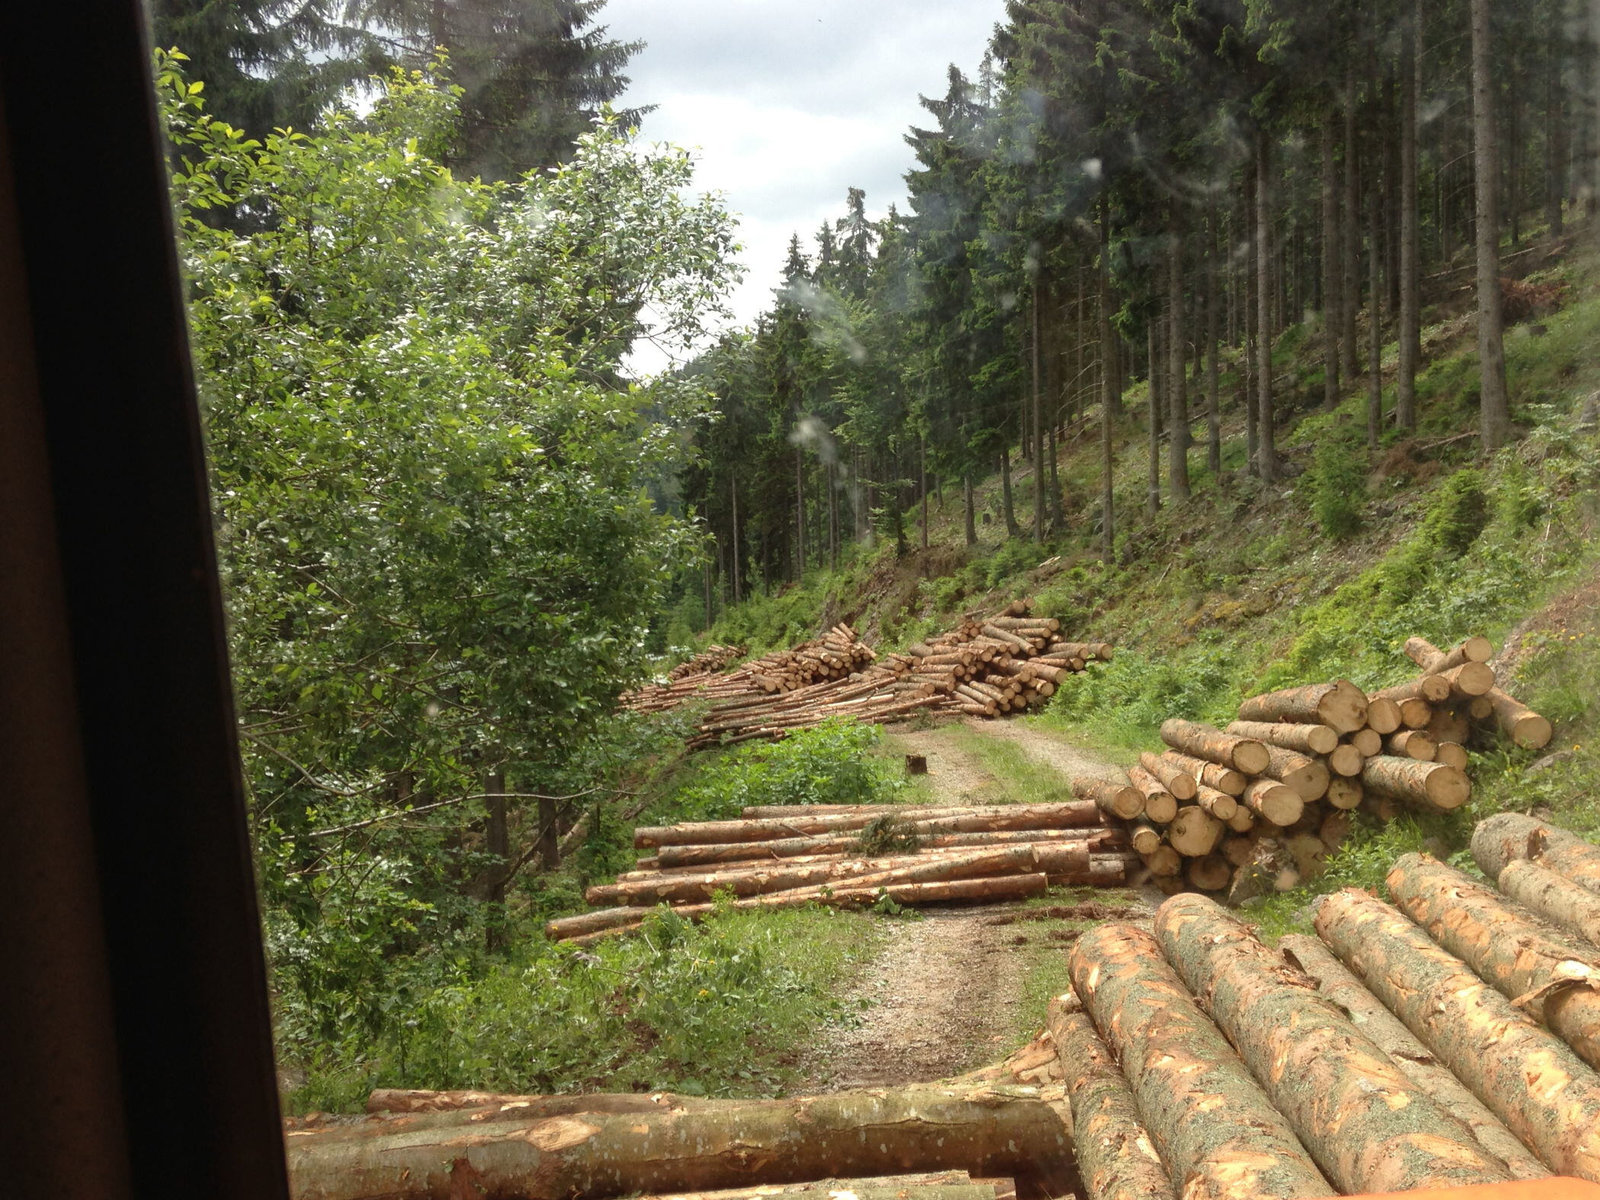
point(1339, 483)
point(831, 763)
point(888, 834)
point(1128, 698)
point(710, 1009)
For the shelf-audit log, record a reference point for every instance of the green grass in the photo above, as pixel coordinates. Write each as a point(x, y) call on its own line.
point(1022, 779)
point(717, 1009)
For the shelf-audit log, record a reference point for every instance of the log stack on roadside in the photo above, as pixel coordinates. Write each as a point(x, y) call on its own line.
point(1257, 807)
point(987, 666)
point(940, 855)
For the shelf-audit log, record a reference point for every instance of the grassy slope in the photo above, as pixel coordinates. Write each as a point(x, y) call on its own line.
point(1238, 590)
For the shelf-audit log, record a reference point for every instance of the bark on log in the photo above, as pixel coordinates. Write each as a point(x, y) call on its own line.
point(1384, 1030)
point(1273, 801)
point(1383, 715)
point(1307, 776)
point(1554, 979)
point(1526, 1075)
point(1194, 832)
point(421, 1100)
point(1160, 805)
point(1432, 786)
point(1340, 704)
point(1174, 778)
point(1212, 1125)
point(1519, 722)
point(1430, 658)
point(1506, 836)
point(1116, 1156)
point(1206, 742)
point(1305, 739)
point(935, 1185)
point(1224, 779)
point(1010, 1132)
point(1119, 800)
point(1554, 897)
point(680, 858)
point(1365, 1123)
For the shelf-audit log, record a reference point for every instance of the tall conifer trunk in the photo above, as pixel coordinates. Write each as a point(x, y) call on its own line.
point(1494, 406)
point(1332, 286)
point(1110, 384)
point(1350, 234)
point(1410, 331)
point(1012, 528)
point(1036, 363)
point(1267, 452)
point(1153, 361)
point(1213, 396)
point(1177, 383)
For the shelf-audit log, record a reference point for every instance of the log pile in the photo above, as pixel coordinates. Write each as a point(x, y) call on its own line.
point(942, 855)
point(987, 666)
point(1258, 806)
point(1451, 1040)
point(708, 662)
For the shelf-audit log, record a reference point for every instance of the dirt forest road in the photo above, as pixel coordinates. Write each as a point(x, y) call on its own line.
point(946, 993)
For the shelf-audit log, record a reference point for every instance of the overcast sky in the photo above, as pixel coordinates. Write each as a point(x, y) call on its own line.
point(788, 104)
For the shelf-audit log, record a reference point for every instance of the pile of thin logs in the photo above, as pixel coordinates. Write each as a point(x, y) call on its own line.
point(987, 666)
point(1446, 1041)
point(709, 661)
point(924, 1142)
point(1258, 806)
point(784, 857)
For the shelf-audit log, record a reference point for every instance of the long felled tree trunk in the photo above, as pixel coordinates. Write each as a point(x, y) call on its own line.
point(1494, 405)
point(715, 1144)
point(1366, 1124)
point(1213, 1126)
point(1527, 1076)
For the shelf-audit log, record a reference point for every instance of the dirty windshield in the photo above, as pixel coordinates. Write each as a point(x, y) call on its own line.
point(956, 599)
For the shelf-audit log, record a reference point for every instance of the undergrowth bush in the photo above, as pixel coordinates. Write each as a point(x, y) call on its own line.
point(832, 763)
point(1339, 484)
point(711, 1009)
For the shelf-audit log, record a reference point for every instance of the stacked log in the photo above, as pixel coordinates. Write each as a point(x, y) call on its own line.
point(596, 1147)
point(708, 662)
point(955, 855)
point(987, 666)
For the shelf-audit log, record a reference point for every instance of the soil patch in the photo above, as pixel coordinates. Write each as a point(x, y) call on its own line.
point(1088, 911)
point(941, 998)
point(955, 776)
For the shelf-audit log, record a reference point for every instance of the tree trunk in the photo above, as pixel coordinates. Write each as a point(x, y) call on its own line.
point(1375, 327)
point(1307, 776)
point(549, 842)
point(967, 506)
point(1528, 1077)
point(1410, 331)
point(1177, 383)
point(799, 516)
point(1555, 130)
point(1332, 263)
point(1340, 704)
point(1381, 1027)
point(738, 595)
point(1207, 773)
point(1304, 738)
point(1012, 528)
point(1037, 373)
point(497, 842)
point(979, 818)
point(1519, 722)
point(1115, 799)
point(922, 471)
point(1116, 1157)
point(1553, 980)
point(1212, 1125)
point(1349, 234)
point(1554, 897)
point(1155, 372)
point(1503, 837)
point(588, 1156)
point(1172, 777)
point(1366, 1124)
point(1213, 317)
point(1494, 406)
point(1267, 452)
point(1430, 786)
point(1244, 755)
point(1110, 396)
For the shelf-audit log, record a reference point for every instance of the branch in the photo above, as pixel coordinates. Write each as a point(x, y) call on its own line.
point(422, 808)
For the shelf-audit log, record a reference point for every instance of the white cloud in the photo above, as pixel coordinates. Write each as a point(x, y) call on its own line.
point(791, 104)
